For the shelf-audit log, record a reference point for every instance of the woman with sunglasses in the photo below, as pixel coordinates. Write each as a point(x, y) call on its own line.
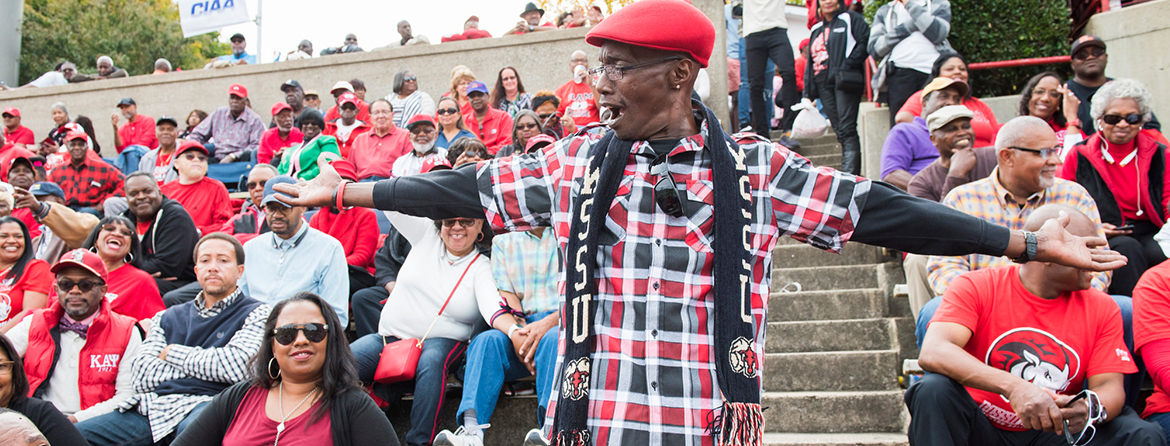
point(1124, 169)
point(303, 389)
point(132, 292)
point(24, 280)
point(407, 99)
point(447, 262)
point(508, 93)
point(450, 123)
point(467, 150)
point(524, 127)
point(545, 104)
point(14, 395)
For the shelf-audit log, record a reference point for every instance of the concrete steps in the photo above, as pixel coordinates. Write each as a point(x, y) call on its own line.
point(831, 336)
point(822, 305)
point(835, 412)
point(821, 371)
point(845, 277)
point(863, 439)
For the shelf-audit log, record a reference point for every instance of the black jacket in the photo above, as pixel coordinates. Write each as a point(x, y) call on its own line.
point(50, 421)
point(848, 39)
point(390, 257)
point(354, 417)
point(169, 242)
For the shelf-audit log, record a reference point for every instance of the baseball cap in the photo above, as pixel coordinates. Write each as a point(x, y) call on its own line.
point(170, 119)
point(940, 83)
point(538, 141)
point(237, 36)
point(23, 158)
point(347, 98)
point(435, 163)
point(238, 90)
point(190, 145)
point(279, 107)
point(77, 135)
point(311, 93)
point(945, 115)
point(85, 259)
point(419, 119)
point(270, 194)
point(46, 188)
point(12, 111)
point(1085, 41)
point(341, 85)
point(291, 83)
point(476, 86)
point(126, 101)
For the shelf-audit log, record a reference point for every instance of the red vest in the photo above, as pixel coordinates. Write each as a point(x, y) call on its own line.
point(105, 344)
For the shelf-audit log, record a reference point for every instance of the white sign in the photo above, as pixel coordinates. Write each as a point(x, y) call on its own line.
point(202, 16)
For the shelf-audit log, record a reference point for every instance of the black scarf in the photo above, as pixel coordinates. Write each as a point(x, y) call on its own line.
point(741, 419)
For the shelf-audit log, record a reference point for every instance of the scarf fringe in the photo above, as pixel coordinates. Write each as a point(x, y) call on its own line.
point(738, 424)
point(572, 438)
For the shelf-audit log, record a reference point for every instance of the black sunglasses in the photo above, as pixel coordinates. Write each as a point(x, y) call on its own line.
point(464, 222)
point(409, 78)
point(85, 285)
point(531, 125)
point(1089, 52)
point(665, 191)
point(287, 334)
point(254, 184)
point(447, 111)
point(1132, 119)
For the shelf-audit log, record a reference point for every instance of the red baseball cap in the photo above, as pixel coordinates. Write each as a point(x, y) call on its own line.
point(672, 25)
point(279, 107)
point(85, 259)
point(418, 119)
point(238, 90)
point(76, 135)
point(345, 169)
point(539, 141)
point(434, 163)
point(190, 145)
point(347, 98)
point(12, 111)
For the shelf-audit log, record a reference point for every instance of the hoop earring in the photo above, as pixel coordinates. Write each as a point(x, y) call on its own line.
point(480, 238)
point(93, 248)
point(270, 374)
point(129, 258)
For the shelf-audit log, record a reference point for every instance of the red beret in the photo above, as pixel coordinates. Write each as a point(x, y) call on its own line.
point(671, 25)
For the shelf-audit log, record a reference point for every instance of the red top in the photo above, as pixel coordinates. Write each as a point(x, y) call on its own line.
point(143, 226)
point(88, 184)
point(496, 130)
point(577, 102)
point(139, 131)
point(1044, 341)
point(134, 293)
point(26, 215)
point(472, 33)
point(36, 278)
point(22, 135)
point(162, 166)
point(343, 146)
point(271, 143)
point(800, 64)
point(1151, 332)
point(1126, 181)
point(206, 200)
point(984, 123)
point(363, 112)
point(356, 229)
point(374, 155)
point(252, 426)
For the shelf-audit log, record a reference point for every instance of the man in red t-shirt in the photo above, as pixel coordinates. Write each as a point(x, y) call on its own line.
point(493, 127)
point(139, 129)
point(1023, 340)
point(205, 199)
point(579, 95)
point(1151, 337)
point(347, 127)
point(282, 136)
point(15, 133)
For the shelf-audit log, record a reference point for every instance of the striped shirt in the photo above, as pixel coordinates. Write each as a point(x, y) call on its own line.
point(417, 103)
point(230, 134)
point(989, 200)
point(223, 365)
point(529, 267)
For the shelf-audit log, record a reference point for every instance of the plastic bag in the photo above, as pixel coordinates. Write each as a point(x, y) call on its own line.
point(809, 123)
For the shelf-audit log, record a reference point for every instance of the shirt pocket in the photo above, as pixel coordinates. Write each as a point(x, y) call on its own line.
point(616, 219)
point(700, 208)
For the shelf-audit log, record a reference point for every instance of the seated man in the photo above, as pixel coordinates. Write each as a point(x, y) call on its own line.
point(357, 230)
point(192, 352)
point(87, 182)
point(105, 68)
point(1011, 346)
point(526, 267)
point(282, 135)
point(160, 161)
point(374, 152)
point(77, 352)
point(1151, 338)
point(167, 232)
point(908, 148)
point(347, 126)
point(235, 128)
point(138, 130)
point(205, 199)
point(17, 134)
point(294, 257)
point(493, 127)
point(422, 139)
point(250, 221)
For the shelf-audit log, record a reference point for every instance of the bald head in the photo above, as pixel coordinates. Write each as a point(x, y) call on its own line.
point(18, 430)
point(162, 65)
point(1079, 224)
point(1021, 129)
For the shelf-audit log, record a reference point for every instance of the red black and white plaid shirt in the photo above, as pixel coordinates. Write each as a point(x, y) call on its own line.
point(653, 364)
point(88, 184)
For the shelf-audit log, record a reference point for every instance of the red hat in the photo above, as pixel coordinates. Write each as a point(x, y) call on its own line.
point(83, 258)
point(345, 169)
point(347, 98)
point(238, 90)
point(76, 135)
point(12, 111)
point(434, 163)
point(671, 25)
point(538, 141)
point(803, 43)
point(190, 145)
point(279, 107)
point(420, 118)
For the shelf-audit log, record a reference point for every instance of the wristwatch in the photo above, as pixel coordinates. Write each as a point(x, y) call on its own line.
point(1029, 253)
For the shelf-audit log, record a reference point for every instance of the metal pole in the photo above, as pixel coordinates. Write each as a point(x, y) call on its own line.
point(11, 16)
point(260, 31)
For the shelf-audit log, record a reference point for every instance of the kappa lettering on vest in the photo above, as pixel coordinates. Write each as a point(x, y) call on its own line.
point(105, 362)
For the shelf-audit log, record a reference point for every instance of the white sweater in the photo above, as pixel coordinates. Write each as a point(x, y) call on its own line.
point(425, 281)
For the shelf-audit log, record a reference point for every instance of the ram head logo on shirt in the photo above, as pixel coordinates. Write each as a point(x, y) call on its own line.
point(1035, 356)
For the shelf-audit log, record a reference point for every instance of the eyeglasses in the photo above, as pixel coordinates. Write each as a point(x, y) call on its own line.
point(1089, 52)
point(464, 222)
point(665, 191)
point(544, 117)
point(287, 334)
point(527, 126)
point(447, 111)
point(85, 286)
point(1044, 153)
point(6, 367)
point(409, 79)
point(254, 184)
point(615, 72)
point(1096, 413)
point(349, 108)
point(1132, 119)
point(190, 156)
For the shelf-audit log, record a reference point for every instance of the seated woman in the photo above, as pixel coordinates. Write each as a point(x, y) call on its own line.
point(446, 264)
point(450, 123)
point(304, 347)
point(954, 66)
point(1124, 169)
point(467, 150)
point(525, 126)
point(132, 292)
point(1046, 97)
point(24, 280)
point(301, 162)
point(14, 395)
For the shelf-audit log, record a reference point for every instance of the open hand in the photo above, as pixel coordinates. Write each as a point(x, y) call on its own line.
point(316, 193)
point(1054, 244)
point(1071, 102)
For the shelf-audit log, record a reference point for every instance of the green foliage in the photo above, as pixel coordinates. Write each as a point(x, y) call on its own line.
point(134, 33)
point(990, 30)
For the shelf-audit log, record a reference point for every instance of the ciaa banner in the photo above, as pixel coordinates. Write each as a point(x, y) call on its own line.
point(201, 16)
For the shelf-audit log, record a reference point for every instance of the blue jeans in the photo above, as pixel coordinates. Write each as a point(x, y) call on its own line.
point(492, 360)
point(1133, 382)
point(128, 428)
point(745, 96)
point(439, 356)
point(1162, 419)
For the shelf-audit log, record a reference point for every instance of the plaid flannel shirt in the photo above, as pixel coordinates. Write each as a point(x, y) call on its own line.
point(653, 362)
point(88, 184)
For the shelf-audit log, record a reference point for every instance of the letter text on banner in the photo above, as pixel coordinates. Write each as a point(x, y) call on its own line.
point(203, 16)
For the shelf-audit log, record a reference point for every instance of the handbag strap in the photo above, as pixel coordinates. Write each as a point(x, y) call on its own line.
point(449, 296)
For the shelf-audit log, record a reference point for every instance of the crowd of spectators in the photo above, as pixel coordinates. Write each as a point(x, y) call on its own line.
point(190, 307)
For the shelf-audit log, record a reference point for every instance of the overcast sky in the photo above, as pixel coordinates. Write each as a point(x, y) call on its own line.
point(325, 23)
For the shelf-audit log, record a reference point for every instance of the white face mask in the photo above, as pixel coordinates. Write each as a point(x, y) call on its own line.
point(423, 148)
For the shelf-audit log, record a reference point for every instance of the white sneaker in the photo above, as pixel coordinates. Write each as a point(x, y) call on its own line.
point(535, 437)
point(459, 438)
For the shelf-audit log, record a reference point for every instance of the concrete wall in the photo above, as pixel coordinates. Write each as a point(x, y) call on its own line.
point(1139, 46)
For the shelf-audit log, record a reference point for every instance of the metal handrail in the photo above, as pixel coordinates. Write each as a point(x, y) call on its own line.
point(1018, 62)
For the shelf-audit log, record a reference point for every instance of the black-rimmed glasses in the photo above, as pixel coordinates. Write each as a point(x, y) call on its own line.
point(1044, 153)
point(85, 286)
point(616, 72)
point(287, 334)
point(254, 184)
point(1131, 119)
point(7, 366)
point(665, 191)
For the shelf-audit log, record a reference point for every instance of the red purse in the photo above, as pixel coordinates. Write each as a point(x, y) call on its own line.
point(400, 358)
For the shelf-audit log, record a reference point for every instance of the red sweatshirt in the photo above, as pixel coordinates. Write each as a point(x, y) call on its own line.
point(344, 145)
point(206, 200)
point(140, 131)
point(356, 229)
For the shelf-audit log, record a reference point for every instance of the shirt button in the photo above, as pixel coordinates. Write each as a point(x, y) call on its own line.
point(654, 333)
point(658, 241)
point(655, 285)
point(654, 385)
